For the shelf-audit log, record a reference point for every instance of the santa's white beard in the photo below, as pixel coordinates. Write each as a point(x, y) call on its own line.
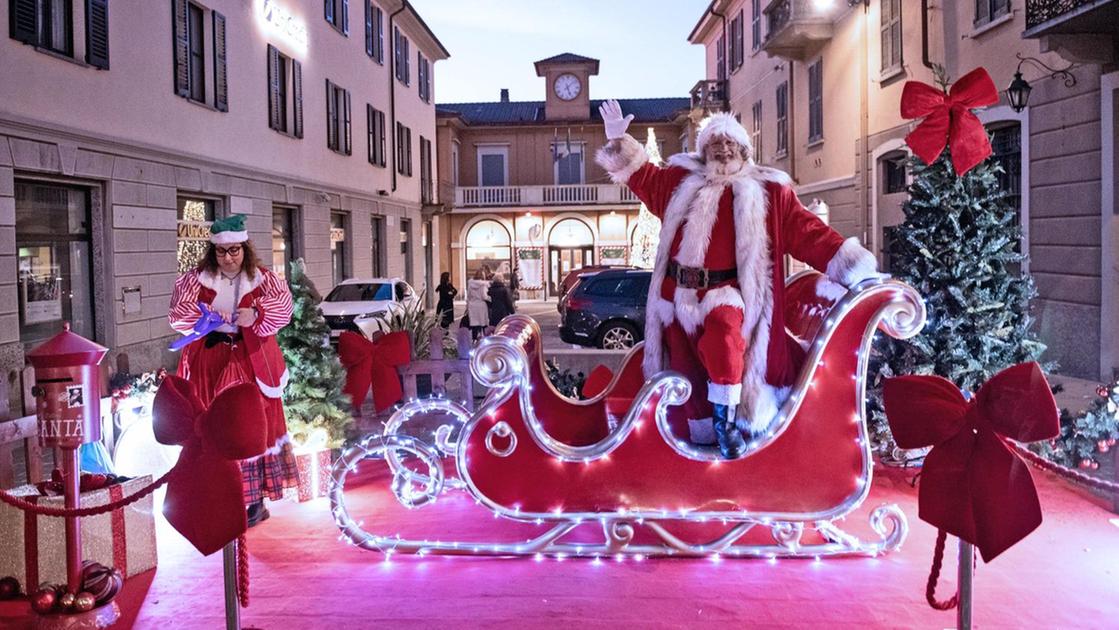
point(722, 169)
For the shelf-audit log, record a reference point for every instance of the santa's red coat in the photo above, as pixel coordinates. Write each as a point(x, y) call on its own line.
point(748, 221)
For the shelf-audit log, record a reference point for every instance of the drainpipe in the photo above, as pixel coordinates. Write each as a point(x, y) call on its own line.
point(869, 235)
point(392, 92)
point(726, 62)
point(790, 128)
point(925, 34)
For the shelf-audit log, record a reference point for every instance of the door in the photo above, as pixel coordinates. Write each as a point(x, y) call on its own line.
point(564, 260)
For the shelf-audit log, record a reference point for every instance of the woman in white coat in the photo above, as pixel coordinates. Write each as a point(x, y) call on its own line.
point(477, 303)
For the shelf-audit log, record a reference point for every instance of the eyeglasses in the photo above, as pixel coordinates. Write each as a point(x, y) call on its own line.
point(232, 252)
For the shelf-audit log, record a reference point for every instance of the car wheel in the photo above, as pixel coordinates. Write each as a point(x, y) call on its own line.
point(617, 336)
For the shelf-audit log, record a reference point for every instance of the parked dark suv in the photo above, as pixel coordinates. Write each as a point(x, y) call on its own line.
point(606, 309)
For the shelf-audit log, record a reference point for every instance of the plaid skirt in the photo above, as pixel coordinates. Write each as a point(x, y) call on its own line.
point(266, 477)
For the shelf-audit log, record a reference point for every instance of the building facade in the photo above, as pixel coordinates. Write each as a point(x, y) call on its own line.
point(819, 85)
point(124, 132)
point(528, 199)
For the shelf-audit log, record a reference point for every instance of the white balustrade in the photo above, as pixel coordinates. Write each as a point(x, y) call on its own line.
point(560, 195)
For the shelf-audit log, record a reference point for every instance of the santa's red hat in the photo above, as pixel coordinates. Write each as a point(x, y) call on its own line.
point(723, 124)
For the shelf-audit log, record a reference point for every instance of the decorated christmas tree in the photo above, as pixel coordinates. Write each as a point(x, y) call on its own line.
point(317, 410)
point(1087, 436)
point(958, 248)
point(646, 236)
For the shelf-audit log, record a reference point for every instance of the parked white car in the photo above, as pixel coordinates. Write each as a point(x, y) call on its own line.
point(352, 304)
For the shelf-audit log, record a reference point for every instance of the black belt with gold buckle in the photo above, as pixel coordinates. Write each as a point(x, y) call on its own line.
point(214, 337)
point(699, 277)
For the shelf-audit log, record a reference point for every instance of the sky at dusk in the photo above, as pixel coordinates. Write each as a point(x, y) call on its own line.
point(643, 46)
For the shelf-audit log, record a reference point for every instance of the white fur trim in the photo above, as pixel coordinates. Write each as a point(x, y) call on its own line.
point(701, 431)
point(229, 238)
point(277, 391)
point(829, 290)
point(702, 214)
point(767, 405)
point(691, 313)
point(274, 449)
point(724, 394)
point(852, 264)
point(622, 162)
point(723, 124)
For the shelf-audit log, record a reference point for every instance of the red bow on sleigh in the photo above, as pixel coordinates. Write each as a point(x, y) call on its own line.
point(204, 496)
point(948, 119)
point(372, 364)
point(973, 485)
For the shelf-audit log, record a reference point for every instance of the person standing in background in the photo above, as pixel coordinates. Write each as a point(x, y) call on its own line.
point(446, 304)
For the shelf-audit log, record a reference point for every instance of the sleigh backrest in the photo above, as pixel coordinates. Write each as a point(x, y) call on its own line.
point(809, 297)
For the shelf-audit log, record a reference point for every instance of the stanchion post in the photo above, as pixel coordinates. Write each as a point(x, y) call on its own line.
point(965, 573)
point(71, 470)
point(232, 605)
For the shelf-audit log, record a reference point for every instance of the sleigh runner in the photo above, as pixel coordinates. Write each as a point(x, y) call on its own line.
point(622, 458)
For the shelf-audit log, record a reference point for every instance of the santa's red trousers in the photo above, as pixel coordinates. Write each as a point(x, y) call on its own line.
point(714, 353)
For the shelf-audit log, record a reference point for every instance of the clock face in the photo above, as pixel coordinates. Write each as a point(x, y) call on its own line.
point(568, 86)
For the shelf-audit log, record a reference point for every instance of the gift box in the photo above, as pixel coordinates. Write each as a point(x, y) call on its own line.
point(314, 475)
point(33, 548)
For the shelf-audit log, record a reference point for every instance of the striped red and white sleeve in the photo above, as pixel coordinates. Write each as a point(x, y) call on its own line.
point(273, 306)
point(184, 311)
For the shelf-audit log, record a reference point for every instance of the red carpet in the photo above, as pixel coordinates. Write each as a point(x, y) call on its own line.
point(1062, 576)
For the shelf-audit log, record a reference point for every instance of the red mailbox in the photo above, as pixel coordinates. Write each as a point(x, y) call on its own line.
point(67, 389)
point(68, 402)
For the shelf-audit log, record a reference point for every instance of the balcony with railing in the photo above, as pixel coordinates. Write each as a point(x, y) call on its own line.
point(1072, 17)
point(796, 28)
point(559, 195)
point(709, 95)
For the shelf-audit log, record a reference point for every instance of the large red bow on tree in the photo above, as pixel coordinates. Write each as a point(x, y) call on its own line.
point(204, 496)
point(372, 364)
point(948, 119)
point(973, 485)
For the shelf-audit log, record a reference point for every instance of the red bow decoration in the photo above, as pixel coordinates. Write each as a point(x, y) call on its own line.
point(948, 119)
point(973, 485)
point(204, 497)
point(372, 364)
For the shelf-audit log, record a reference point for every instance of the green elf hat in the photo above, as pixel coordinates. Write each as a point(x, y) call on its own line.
point(229, 230)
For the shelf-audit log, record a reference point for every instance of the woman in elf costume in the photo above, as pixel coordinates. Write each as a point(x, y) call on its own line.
point(255, 303)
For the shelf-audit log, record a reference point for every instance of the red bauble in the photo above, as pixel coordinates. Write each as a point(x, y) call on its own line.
point(1085, 463)
point(83, 602)
point(1102, 446)
point(1101, 391)
point(43, 601)
point(9, 588)
point(66, 601)
point(1110, 442)
point(1095, 465)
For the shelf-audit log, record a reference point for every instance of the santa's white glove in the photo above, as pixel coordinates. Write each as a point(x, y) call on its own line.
point(611, 114)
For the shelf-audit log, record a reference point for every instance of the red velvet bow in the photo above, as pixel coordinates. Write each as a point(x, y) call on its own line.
point(372, 364)
point(204, 497)
point(973, 485)
point(948, 119)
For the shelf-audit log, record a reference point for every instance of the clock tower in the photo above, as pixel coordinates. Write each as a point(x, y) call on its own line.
point(566, 79)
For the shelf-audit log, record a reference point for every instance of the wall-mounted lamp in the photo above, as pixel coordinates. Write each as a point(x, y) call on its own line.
point(1018, 92)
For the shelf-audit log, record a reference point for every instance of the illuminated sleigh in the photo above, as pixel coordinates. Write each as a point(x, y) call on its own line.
point(620, 461)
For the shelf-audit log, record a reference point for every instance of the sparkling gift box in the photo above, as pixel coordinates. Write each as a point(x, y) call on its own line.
point(33, 548)
point(314, 475)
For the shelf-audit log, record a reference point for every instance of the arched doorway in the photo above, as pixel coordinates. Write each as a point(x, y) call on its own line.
point(488, 245)
point(570, 247)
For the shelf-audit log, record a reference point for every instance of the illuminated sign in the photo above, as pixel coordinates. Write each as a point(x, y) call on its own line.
point(281, 21)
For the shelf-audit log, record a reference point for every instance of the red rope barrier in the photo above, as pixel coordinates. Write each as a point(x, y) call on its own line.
point(1065, 471)
point(934, 576)
point(43, 510)
point(243, 571)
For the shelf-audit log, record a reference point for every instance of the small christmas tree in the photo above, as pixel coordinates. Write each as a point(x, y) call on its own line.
point(313, 399)
point(957, 248)
point(1088, 435)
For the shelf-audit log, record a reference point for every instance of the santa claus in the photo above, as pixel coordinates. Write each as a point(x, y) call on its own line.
point(715, 305)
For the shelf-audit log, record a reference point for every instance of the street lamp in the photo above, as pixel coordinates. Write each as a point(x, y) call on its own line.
point(1018, 92)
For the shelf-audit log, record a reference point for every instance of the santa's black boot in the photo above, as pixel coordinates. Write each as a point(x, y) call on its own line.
point(731, 444)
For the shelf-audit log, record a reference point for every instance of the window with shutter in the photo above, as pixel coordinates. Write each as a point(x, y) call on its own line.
point(408, 151)
point(782, 119)
point(378, 35)
point(891, 34)
point(348, 148)
point(182, 46)
point(756, 132)
point(23, 21)
point(331, 117)
point(196, 61)
point(337, 14)
point(756, 24)
point(221, 86)
point(275, 121)
point(382, 156)
point(721, 58)
point(297, 98)
point(368, 28)
point(97, 33)
point(815, 101)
